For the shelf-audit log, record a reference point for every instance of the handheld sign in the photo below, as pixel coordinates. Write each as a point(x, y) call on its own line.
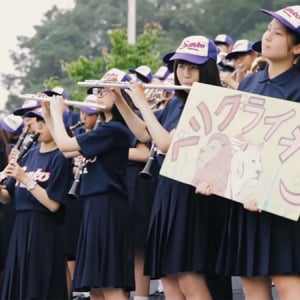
point(245, 146)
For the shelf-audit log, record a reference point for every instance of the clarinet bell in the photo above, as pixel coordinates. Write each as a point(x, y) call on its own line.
point(73, 190)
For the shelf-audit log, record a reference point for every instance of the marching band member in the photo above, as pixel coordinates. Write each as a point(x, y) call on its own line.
point(266, 246)
point(179, 240)
point(104, 257)
point(35, 265)
point(242, 56)
point(89, 118)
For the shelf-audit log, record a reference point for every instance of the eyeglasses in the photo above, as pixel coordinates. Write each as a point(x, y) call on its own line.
point(100, 92)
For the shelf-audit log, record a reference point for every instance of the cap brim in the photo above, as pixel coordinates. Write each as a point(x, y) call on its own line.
point(51, 93)
point(233, 55)
point(23, 111)
point(141, 76)
point(34, 114)
point(89, 110)
point(194, 59)
point(131, 70)
point(279, 18)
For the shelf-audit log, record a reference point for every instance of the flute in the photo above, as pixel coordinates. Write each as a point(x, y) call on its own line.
point(67, 102)
point(98, 83)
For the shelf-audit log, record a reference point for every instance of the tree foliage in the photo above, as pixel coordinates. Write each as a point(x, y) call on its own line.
point(71, 44)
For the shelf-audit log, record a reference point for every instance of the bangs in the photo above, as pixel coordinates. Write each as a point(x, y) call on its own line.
point(184, 62)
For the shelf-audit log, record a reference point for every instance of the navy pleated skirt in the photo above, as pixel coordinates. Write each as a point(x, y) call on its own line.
point(259, 244)
point(185, 230)
point(140, 196)
point(104, 256)
point(71, 226)
point(35, 266)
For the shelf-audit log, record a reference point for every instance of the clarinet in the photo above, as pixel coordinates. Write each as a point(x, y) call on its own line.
point(147, 171)
point(21, 138)
point(25, 148)
point(73, 191)
point(76, 125)
point(23, 151)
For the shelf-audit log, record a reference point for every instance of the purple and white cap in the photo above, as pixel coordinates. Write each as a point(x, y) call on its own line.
point(162, 73)
point(12, 123)
point(92, 99)
point(240, 47)
point(223, 39)
point(28, 105)
point(112, 74)
point(196, 49)
point(288, 16)
point(143, 73)
point(58, 90)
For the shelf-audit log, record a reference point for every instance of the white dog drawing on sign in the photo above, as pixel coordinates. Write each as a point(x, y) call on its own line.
point(245, 168)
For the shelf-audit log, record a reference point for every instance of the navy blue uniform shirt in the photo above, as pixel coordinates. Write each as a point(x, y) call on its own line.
point(285, 86)
point(51, 170)
point(169, 118)
point(106, 150)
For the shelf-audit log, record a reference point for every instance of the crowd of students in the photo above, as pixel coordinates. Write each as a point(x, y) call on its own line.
point(123, 229)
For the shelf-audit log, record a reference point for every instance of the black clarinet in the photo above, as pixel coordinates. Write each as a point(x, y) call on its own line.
point(25, 148)
point(23, 151)
point(21, 138)
point(73, 192)
point(147, 171)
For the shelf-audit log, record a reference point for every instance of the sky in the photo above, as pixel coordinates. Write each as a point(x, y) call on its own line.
point(17, 17)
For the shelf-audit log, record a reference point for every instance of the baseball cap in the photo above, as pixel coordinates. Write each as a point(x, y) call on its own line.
point(288, 16)
point(143, 73)
point(223, 39)
point(112, 74)
point(58, 90)
point(240, 47)
point(196, 49)
point(257, 46)
point(27, 106)
point(162, 73)
point(38, 114)
point(225, 64)
point(12, 123)
point(34, 114)
point(89, 99)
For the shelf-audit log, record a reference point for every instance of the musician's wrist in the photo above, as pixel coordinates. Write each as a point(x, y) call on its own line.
point(29, 183)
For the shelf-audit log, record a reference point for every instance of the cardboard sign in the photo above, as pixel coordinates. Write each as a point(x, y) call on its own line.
point(246, 146)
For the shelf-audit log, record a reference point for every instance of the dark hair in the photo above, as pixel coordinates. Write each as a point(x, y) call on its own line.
point(4, 144)
point(209, 74)
point(296, 41)
point(116, 115)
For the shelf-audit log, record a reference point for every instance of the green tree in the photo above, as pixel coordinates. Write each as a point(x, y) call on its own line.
point(86, 31)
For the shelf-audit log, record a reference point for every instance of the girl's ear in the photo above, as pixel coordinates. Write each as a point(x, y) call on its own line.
point(297, 49)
